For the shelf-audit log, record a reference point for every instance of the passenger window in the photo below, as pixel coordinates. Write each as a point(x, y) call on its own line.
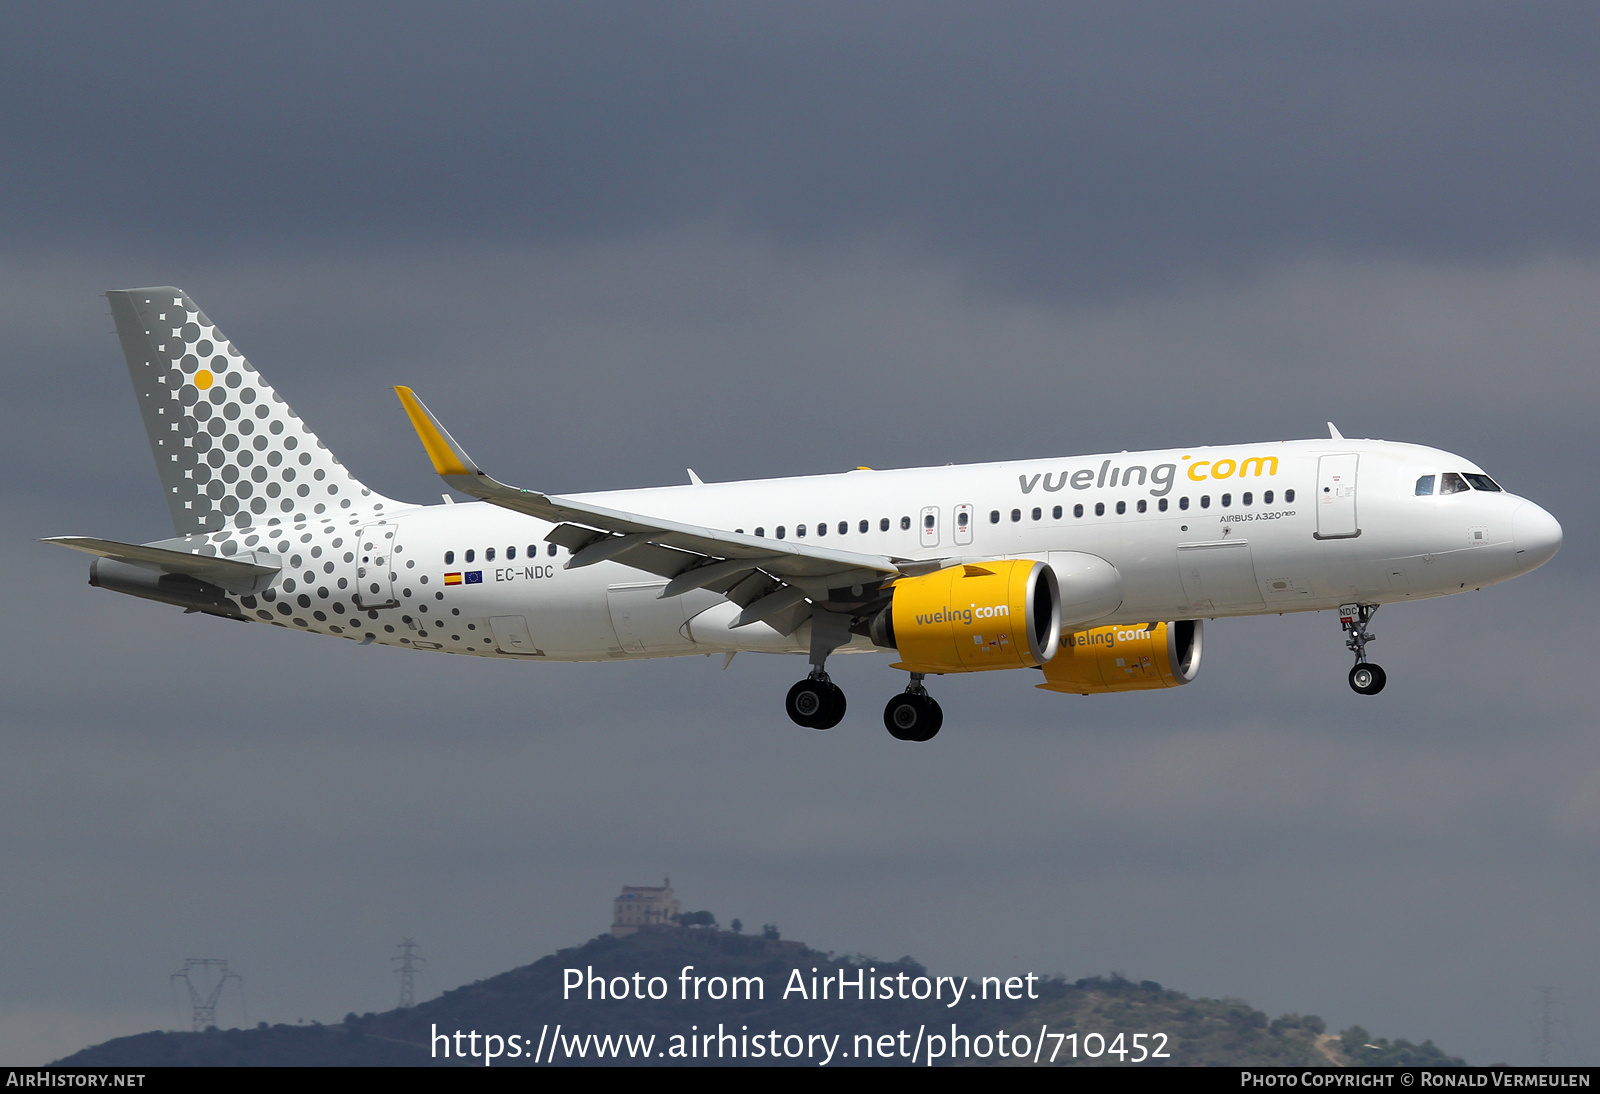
point(469, 555)
point(1162, 505)
point(511, 553)
point(1037, 513)
point(449, 557)
point(1227, 500)
point(883, 525)
point(1056, 512)
point(1484, 482)
point(1143, 505)
point(800, 531)
point(1248, 497)
point(780, 531)
point(1452, 483)
point(822, 528)
point(1077, 510)
point(863, 527)
point(994, 516)
point(844, 526)
point(551, 550)
point(1266, 499)
point(1205, 501)
point(533, 550)
point(1122, 507)
point(1016, 515)
point(488, 554)
point(961, 519)
point(1425, 486)
point(1183, 503)
point(1099, 508)
point(905, 524)
point(1288, 495)
point(761, 532)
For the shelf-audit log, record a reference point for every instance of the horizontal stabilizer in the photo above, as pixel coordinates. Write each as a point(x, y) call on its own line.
point(245, 574)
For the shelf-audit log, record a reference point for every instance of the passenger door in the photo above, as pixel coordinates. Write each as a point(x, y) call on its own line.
point(374, 565)
point(1336, 497)
point(929, 529)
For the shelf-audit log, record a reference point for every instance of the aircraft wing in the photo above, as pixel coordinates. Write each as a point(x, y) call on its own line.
point(770, 579)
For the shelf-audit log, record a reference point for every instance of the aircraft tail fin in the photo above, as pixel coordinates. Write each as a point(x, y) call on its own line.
point(229, 451)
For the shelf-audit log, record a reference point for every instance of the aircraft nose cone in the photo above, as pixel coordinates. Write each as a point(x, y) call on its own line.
point(1535, 535)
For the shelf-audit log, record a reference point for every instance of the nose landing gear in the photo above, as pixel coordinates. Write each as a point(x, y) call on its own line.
point(913, 715)
point(1365, 678)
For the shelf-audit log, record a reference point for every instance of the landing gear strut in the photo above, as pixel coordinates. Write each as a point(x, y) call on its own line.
point(913, 715)
point(1365, 678)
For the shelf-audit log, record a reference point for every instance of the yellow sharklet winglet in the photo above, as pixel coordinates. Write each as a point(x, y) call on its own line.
point(448, 458)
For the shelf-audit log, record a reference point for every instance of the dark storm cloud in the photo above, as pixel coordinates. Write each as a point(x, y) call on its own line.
point(1094, 147)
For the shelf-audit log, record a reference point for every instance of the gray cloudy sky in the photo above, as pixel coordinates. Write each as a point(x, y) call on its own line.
point(608, 242)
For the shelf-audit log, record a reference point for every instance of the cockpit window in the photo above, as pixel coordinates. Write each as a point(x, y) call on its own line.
point(1425, 486)
point(1484, 482)
point(1452, 483)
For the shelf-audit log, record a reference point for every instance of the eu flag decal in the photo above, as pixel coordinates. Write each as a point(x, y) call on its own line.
point(474, 577)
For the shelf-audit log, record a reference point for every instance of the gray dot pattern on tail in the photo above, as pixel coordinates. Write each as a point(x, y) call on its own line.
point(235, 455)
point(243, 474)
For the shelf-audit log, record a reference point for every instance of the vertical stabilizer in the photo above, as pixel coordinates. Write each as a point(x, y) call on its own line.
point(229, 451)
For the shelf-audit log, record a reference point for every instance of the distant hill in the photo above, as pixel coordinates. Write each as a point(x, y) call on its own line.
point(1089, 1022)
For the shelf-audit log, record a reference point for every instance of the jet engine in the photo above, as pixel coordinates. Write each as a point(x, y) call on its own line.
point(969, 618)
point(1132, 657)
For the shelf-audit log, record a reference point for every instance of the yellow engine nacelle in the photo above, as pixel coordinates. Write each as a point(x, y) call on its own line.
point(1134, 657)
point(998, 615)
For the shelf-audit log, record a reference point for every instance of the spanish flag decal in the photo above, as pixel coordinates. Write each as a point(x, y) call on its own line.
point(452, 579)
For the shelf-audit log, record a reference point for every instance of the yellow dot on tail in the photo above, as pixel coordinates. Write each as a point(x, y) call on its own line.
point(202, 379)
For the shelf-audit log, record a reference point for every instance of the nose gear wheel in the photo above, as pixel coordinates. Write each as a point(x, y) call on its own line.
point(1368, 679)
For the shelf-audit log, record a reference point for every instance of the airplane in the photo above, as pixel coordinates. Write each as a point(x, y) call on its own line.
point(1096, 571)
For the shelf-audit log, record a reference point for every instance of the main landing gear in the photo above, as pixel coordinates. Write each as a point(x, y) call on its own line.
point(913, 715)
point(1365, 678)
point(815, 702)
point(818, 703)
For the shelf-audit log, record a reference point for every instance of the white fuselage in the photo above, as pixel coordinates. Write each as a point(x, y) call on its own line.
point(1238, 530)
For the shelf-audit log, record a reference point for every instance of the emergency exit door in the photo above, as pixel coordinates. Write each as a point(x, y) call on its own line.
point(963, 525)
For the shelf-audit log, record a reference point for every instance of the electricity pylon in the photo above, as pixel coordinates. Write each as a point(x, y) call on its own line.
point(205, 1006)
point(407, 972)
